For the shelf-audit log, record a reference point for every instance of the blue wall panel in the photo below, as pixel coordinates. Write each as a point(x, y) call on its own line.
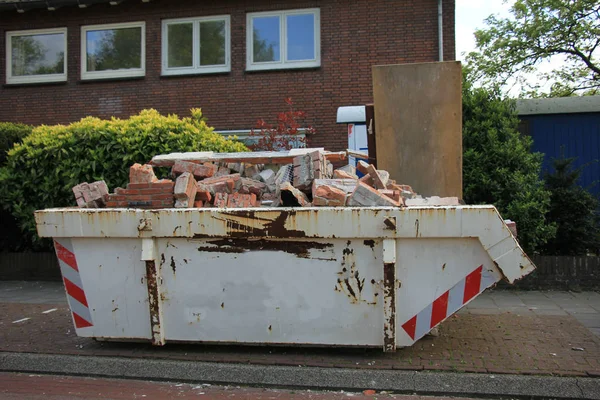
point(574, 135)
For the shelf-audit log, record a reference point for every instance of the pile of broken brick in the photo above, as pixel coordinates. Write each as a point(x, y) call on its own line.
point(310, 180)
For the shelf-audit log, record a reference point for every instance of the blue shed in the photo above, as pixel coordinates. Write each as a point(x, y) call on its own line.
point(568, 126)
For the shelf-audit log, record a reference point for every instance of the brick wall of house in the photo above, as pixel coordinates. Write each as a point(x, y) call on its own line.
point(355, 34)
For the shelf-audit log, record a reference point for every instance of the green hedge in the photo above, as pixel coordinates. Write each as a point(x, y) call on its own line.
point(40, 172)
point(10, 134)
point(499, 167)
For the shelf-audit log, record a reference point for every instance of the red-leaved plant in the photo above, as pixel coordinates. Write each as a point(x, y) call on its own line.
point(285, 134)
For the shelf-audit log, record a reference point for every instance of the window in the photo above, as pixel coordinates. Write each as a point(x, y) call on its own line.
point(195, 45)
point(36, 56)
point(286, 39)
point(113, 51)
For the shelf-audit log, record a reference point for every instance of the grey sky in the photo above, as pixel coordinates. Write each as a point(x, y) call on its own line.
point(470, 14)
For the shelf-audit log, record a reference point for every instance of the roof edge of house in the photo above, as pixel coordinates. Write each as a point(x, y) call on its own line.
point(25, 5)
point(559, 105)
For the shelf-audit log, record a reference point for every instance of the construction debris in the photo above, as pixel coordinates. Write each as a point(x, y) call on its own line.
point(329, 196)
point(297, 178)
point(366, 196)
point(258, 157)
point(91, 195)
point(200, 171)
point(185, 190)
point(141, 174)
point(292, 197)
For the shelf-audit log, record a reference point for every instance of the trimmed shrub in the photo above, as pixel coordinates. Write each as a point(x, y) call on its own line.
point(10, 134)
point(41, 171)
point(574, 210)
point(499, 167)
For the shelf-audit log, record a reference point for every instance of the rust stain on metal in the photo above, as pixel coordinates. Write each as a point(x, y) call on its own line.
point(173, 265)
point(270, 328)
point(389, 307)
point(349, 280)
point(299, 248)
point(444, 267)
point(153, 301)
point(370, 243)
point(417, 228)
point(222, 305)
point(245, 223)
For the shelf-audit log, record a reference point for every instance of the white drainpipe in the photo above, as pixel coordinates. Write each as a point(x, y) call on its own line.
point(441, 30)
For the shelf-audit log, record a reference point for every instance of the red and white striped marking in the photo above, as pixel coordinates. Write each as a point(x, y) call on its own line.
point(75, 294)
point(449, 303)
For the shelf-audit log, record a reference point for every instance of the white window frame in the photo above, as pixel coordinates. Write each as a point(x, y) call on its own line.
point(196, 68)
point(117, 73)
point(10, 79)
point(283, 62)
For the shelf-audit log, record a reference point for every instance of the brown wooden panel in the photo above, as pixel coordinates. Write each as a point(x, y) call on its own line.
point(418, 109)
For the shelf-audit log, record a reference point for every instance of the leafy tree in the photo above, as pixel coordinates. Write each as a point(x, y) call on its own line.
point(117, 49)
point(574, 210)
point(538, 30)
point(212, 43)
point(263, 51)
point(29, 58)
point(498, 166)
point(181, 47)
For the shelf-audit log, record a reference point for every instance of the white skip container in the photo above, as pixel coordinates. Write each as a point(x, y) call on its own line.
point(367, 277)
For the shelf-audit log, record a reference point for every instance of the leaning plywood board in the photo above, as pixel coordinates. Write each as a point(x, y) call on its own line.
point(418, 109)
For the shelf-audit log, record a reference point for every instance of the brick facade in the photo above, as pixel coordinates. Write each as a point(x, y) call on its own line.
point(355, 35)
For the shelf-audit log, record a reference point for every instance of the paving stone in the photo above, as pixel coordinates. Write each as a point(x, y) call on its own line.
point(549, 312)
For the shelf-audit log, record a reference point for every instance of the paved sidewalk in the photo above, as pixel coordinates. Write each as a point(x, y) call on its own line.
point(501, 332)
point(584, 307)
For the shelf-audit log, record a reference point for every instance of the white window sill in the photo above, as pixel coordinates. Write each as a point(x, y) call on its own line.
point(26, 80)
point(196, 71)
point(113, 74)
point(279, 66)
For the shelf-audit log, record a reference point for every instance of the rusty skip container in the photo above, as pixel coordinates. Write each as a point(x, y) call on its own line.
point(368, 277)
